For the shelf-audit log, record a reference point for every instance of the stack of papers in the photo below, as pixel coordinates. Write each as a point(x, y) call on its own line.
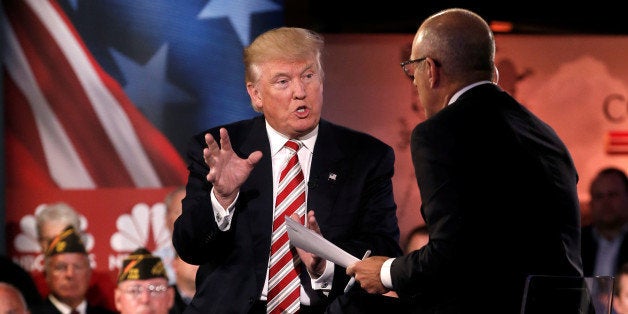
point(310, 241)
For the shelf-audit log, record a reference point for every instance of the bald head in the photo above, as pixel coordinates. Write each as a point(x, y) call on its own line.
point(11, 300)
point(461, 41)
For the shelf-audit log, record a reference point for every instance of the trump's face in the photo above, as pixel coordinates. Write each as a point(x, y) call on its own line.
point(290, 94)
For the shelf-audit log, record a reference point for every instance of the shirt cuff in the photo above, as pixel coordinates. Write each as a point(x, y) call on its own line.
point(325, 280)
point(384, 273)
point(222, 215)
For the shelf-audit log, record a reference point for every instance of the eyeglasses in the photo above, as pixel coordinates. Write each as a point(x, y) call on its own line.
point(409, 66)
point(153, 291)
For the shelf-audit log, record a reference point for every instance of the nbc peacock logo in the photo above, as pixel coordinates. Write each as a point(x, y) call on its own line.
point(144, 226)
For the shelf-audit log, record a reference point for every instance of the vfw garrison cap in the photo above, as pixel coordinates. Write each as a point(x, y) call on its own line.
point(68, 241)
point(141, 265)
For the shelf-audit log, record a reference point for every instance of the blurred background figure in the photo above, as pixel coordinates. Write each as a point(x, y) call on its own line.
point(68, 273)
point(12, 273)
point(181, 274)
point(604, 247)
point(143, 285)
point(416, 239)
point(620, 291)
point(11, 300)
point(51, 221)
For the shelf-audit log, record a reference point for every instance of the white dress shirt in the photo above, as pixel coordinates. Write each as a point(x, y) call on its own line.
point(280, 156)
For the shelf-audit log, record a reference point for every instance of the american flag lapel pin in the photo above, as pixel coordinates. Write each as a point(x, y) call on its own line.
point(331, 177)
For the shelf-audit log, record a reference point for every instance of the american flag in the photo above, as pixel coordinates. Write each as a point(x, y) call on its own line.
point(105, 93)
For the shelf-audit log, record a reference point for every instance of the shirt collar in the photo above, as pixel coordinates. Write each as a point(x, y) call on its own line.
point(277, 140)
point(466, 88)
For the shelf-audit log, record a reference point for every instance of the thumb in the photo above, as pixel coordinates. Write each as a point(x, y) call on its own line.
point(254, 157)
point(350, 270)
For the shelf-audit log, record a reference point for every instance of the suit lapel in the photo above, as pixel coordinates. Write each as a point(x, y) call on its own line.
point(258, 189)
point(327, 173)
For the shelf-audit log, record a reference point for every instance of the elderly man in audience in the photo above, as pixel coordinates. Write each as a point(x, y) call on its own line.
point(143, 285)
point(68, 273)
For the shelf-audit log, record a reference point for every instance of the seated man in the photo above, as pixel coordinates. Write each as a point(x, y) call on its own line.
point(68, 273)
point(182, 275)
point(50, 221)
point(143, 285)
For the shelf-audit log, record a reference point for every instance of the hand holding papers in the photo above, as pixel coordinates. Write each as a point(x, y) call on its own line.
point(352, 280)
point(308, 240)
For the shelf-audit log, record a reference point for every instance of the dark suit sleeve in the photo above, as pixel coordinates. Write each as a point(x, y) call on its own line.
point(417, 272)
point(196, 236)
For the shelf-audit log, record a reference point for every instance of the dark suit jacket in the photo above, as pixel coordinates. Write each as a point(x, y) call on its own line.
point(589, 251)
point(48, 308)
point(349, 188)
point(498, 190)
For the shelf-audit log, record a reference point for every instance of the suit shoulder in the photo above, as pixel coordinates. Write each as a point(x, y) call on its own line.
point(91, 309)
point(231, 127)
point(46, 307)
point(236, 130)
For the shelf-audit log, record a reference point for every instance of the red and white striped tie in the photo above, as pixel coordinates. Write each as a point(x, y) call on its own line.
point(283, 283)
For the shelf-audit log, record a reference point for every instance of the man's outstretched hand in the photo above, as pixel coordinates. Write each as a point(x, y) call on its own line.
point(227, 171)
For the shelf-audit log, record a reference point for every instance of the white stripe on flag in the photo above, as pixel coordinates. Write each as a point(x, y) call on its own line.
point(113, 118)
point(65, 164)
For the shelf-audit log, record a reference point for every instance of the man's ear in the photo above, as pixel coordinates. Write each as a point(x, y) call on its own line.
point(433, 72)
point(254, 94)
point(495, 75)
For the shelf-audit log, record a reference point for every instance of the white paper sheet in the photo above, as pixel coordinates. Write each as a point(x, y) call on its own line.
point(306, 239)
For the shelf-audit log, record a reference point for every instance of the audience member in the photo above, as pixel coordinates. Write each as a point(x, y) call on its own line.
point(227, 220)
point(604, 245)
point(185, 286)
point(167, 253)
point(181, 274)
point(143, 285)
point(51, 221)
point(68, 273)
point(14, 274)
point(11, 300)
point(498, 186)
point(416, 239)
